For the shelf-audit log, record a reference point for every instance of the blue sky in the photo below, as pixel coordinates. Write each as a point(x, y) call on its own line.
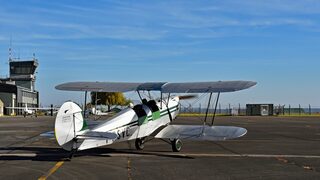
point(274, 42)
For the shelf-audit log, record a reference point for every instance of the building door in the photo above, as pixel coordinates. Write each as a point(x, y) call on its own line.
point(264, 110)
point(1, 107)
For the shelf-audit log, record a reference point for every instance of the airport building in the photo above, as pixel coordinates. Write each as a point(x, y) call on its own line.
point(18, 90)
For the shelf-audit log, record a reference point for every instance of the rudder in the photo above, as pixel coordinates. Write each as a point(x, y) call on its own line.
point(68, 122)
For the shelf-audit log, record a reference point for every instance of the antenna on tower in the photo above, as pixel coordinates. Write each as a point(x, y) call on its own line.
point(10, 49)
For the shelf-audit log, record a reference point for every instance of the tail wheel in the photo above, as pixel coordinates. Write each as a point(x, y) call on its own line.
point(74, 148)
point(176, 145)
point(139, 144)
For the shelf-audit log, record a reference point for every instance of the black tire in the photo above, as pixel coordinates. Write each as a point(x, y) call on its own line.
point(139, 144)
point(176, 145)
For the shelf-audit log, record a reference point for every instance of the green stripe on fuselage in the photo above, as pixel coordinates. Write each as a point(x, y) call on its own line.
point(84, 125)
point(142, 120)
point(156, 115)
point(169, 109)
point(166, 112)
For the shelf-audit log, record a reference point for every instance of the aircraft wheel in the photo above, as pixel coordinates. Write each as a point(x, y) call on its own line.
point(176, 145)
point(139, 144)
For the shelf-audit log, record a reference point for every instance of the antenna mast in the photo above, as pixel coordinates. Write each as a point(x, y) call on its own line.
point(10, 50)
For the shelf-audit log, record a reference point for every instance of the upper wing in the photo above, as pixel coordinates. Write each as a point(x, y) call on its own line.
point(200, 132)
point(109, 86)
point(207, 87)
point(187, 87)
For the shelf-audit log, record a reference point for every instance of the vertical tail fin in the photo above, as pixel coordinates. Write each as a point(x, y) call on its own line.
point(68, 122)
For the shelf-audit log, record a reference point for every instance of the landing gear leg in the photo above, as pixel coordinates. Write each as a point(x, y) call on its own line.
point(139, 143)
point(176, 145)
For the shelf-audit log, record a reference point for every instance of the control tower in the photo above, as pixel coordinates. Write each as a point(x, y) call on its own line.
point(18, 90)
point(23, 73)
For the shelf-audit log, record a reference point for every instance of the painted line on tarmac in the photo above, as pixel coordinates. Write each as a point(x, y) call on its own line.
point(168, 154)
point(214, 155)
point(19, 155)
point(129, 169)
point(52, 170)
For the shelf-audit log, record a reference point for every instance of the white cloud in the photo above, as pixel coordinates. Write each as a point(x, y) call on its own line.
point(78, 31)
point(266, 8)
point(3, 38)
point(281, 21)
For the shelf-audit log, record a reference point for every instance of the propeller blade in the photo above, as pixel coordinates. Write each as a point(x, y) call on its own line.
point(185, 97)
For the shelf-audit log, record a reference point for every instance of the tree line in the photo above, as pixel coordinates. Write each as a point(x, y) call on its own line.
point(109, 99)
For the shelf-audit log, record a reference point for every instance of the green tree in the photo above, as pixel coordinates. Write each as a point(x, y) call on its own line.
point(109, 99)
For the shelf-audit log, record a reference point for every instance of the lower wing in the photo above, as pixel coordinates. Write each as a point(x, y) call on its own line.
point(200, 132)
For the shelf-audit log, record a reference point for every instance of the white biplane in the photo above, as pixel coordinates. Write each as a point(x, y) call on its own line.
point(151, 118)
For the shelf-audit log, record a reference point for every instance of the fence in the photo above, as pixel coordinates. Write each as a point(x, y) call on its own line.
point(240, 110)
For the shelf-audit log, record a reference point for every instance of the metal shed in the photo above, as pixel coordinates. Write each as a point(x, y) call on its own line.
point(259, 109)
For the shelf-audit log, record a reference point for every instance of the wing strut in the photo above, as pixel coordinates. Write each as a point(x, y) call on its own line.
point(167, 104)
point(161, 100)
point(139, 95)
point(215, 109)
point(85, 103)
point(205, 119)
point(149, 94)
point(207, 111)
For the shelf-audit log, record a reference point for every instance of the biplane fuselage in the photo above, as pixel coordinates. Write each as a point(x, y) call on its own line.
point(137, 122)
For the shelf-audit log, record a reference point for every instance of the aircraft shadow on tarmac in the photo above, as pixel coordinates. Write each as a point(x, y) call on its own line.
point(58, 154)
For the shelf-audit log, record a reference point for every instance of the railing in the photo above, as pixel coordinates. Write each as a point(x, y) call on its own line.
point(229, 110)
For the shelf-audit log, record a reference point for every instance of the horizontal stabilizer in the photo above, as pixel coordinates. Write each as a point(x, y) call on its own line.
point(200, 132)
point(96, 135)
point(49, 134)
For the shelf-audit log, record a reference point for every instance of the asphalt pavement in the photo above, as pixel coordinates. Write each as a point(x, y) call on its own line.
point(273, 148)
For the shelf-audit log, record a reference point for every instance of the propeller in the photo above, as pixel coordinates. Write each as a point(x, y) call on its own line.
point(185, 97)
